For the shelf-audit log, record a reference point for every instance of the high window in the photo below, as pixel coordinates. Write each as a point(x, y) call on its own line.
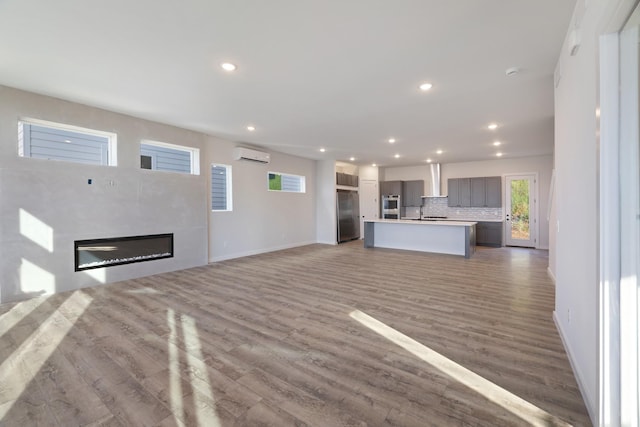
point(54, 141)
point(221, 188)
point(285, 182)
point(161, 156)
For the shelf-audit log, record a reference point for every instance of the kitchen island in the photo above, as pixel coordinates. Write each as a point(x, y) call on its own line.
point(445, 237)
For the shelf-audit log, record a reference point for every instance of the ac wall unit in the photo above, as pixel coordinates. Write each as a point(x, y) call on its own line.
point(241, 153)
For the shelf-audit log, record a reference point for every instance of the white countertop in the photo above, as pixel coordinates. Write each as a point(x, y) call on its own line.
point(476, 220)
point(416, 222)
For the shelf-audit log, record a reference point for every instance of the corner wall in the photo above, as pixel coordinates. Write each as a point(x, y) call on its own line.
point(261, 220)
point(54, 199)
point(326, 225)
point(576, 199)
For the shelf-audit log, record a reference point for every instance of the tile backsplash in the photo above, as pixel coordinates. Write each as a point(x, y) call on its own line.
point(437, 206)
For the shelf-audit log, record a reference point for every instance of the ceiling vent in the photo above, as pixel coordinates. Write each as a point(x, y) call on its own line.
point(241, 153)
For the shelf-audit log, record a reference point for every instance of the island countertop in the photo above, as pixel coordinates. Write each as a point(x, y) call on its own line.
point(425, 222)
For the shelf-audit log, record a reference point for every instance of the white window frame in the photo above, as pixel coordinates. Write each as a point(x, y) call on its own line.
point(228, 168)
point(301, 178)
point(194, 154)
point(112, 149)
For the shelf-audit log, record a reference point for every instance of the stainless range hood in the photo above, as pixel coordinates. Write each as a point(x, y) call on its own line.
point(434, 185)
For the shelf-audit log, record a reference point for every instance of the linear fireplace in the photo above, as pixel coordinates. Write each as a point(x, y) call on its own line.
point(99, 253)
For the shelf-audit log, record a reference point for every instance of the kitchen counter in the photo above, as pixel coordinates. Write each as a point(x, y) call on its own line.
point(443, 236)
point(455, 223)
point(476, 220)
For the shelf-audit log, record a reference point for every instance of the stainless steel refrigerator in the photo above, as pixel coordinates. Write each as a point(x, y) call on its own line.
point(348, 210)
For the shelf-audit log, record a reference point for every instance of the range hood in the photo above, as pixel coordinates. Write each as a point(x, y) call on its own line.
point(434, 185)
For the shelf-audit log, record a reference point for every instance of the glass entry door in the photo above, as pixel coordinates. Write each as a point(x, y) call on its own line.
point(520, 219)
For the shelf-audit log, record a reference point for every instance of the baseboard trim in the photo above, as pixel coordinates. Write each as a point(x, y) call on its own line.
point(259, 251)
point(591, 406)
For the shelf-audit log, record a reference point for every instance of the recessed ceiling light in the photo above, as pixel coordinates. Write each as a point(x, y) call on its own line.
point(496, 143)
point(429, 160)
point(374, 165)
point(322, 150)
point(499, 154)
point(352, 159)
point(228, 66)
point(251, 128)
point(397, 156)
point(425, 86)
point(439, 152)
point(492, 126)
point(392, 140)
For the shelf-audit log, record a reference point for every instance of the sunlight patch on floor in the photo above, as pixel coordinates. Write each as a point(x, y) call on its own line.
point(498, 395)
point(17, 313)
point(19, 369)
point(175, 384)
point(202, 392)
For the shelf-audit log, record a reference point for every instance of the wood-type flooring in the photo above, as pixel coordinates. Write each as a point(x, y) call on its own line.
point(318, 335)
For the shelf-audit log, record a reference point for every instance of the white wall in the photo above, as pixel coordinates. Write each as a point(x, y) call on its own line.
point(56, 197)
point(543, 165)
point(348, 168)
point(576, 196)
point(552, 223)
point(326, 224)
point(368, 172)
point(261, 220)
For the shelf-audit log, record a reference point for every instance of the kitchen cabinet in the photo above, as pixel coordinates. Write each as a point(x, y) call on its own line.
point(459, 192)
point(478, 192)
point(412, 193)
point(346, 179)
point(391, 187)
point(484, 192)
point(489, 234)
point(493, 191)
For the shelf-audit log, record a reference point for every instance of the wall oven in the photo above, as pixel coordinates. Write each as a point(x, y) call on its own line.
point(391, 206)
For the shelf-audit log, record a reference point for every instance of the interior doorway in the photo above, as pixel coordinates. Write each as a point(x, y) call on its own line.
point(521, 218)
point(368, 202)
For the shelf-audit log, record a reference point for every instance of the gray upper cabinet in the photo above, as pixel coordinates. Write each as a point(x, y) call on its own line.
point(452, 186)
point(412, 193)
point(459, 192)
point(478, 192)
point(493, 192)
point(391, 187)
point(475, 192)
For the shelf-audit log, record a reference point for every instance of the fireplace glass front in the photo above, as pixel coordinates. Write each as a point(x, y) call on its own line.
point(99, 253)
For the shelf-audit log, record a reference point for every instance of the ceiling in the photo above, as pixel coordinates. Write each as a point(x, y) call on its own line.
point(339, 75)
